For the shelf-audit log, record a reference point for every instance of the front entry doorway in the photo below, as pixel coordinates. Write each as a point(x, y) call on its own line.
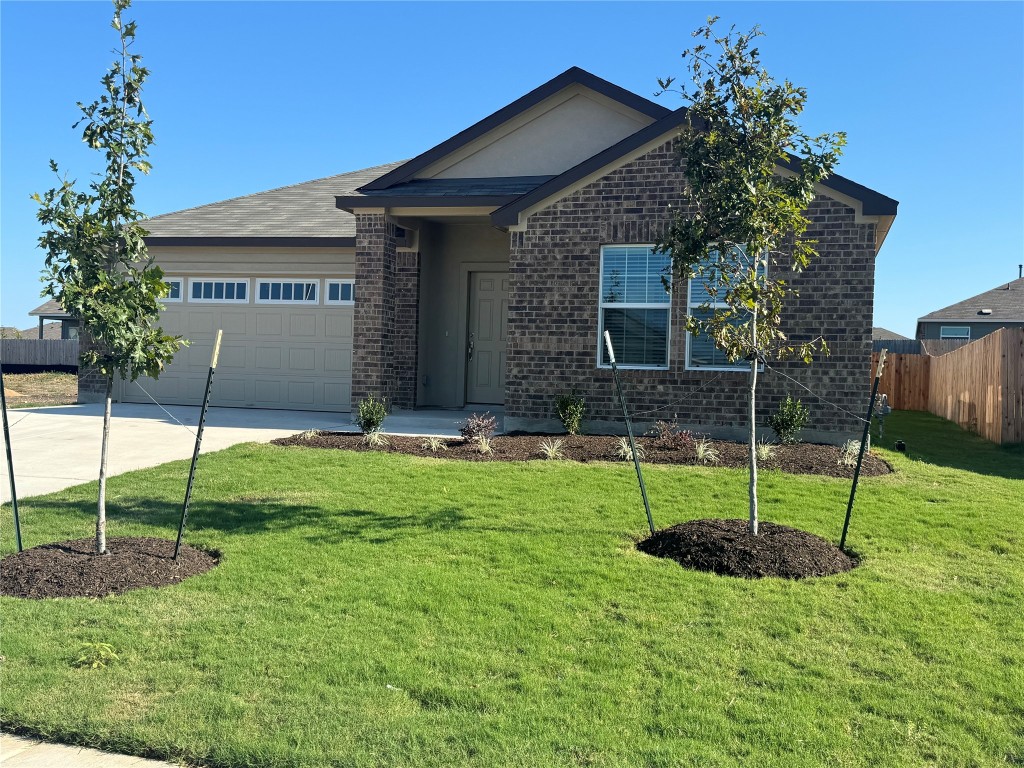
point(485, 349)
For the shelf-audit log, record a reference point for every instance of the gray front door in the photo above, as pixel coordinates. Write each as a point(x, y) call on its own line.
point(488, 316)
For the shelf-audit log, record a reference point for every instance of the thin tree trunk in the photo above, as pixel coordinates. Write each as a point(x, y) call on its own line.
point(753, 436)
point(101, 507)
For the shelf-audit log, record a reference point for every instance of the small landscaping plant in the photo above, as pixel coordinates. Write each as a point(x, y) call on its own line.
point(625, 452)
point(705, 451)
point(434, 444)
point(483, 445)
point(849, 453)
point(311, 434)
point(552, 449)
point(788, 420)
point(765, 450)
point(668, 436)
point(370, 414)
point(478, 425)
point(376, 440)
point(95, 655)
point(571, 410)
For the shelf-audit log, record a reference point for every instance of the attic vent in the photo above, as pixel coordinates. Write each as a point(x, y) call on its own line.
point(984, 311)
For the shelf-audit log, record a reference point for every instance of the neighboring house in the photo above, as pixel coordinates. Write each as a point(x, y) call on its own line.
point(978, 316)
point(483, 272)
point(51, 331)
point(884, 334)
point(52, 310)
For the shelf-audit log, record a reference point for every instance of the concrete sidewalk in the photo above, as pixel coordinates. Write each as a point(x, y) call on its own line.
point(55, 448)
point(22, 752)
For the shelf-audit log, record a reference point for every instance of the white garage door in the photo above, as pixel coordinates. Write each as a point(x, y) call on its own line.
point(295, 357)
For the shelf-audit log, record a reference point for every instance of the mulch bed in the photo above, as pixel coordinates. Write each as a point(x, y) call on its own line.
point(726, 547)
point(801, 458)
point(73, 569)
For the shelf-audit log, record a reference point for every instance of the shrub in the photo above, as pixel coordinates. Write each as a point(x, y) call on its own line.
point(571, 410)
point(625, 452)
point(434, 444)
point(552, 449)
point(668, 436)
point(311, 434)
point(705, 451)
point(789, 420)
point(370, 414)
point(479, 425)
point(483, 445)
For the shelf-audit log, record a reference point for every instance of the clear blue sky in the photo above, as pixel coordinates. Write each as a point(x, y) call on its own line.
point(249, 96)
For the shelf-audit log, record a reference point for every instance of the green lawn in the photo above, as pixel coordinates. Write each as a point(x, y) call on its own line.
point(375, 610)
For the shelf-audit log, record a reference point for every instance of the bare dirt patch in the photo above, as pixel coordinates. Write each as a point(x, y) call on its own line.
point(801, 458)
point(25, 390)
point(726, 547)
point(73, 569)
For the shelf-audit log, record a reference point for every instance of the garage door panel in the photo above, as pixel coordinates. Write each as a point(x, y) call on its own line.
point(271, 357)
point(302, 359)
point(268, 358)
point(269, 324)
point(339, 326)
point(230, 390)
point(302, 393)
point(338, 360)
point(302, 325)
point(234, 323)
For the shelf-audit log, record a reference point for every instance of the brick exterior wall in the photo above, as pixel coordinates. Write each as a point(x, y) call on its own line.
point(553, 312)
point(386, 315)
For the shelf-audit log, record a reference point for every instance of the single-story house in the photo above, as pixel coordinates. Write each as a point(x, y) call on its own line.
point(1002, 307)
point(54, 312)
point(884, 334)
point(483, 272)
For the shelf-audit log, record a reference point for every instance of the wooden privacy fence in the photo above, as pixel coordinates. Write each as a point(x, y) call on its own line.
point(39, 352)
point(980, 386)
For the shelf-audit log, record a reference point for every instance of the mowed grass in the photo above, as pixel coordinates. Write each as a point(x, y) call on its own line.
point(375, 610)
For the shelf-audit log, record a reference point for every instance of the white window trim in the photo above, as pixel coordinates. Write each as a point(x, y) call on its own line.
point(339, 281)
point(294, 302)
point(740, 365)
point(248, 290)
point(942, 332)
point(602, 305)
point(182, 288)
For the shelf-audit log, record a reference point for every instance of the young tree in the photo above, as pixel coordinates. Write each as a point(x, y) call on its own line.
point(97, 265)
point(741, 213)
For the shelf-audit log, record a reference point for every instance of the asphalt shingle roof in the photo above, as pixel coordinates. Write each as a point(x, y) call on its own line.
point(1006, 303)
point(878, 333)
point(50, 309)
point(300, 210)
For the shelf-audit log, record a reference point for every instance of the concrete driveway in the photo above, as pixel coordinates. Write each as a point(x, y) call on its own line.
point(55, 448)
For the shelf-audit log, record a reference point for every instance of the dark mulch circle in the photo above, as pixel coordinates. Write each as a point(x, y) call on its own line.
point(73, 569)
point(726, 547)
point(801, 458)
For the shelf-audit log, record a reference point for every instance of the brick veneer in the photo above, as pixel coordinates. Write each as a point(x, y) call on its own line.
point(553, 311)
point(386, 315)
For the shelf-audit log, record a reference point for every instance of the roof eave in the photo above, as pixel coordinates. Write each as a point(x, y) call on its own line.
point(251, 241)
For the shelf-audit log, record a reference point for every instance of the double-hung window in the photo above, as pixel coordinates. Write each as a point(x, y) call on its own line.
point(706, 295)
point(635, 305)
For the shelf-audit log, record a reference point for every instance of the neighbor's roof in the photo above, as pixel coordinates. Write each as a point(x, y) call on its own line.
point(300, 214)
point(50, 309)
point(884, 334)
point(1005, 302)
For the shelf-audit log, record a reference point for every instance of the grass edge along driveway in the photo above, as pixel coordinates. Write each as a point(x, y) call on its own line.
point(385, 610)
